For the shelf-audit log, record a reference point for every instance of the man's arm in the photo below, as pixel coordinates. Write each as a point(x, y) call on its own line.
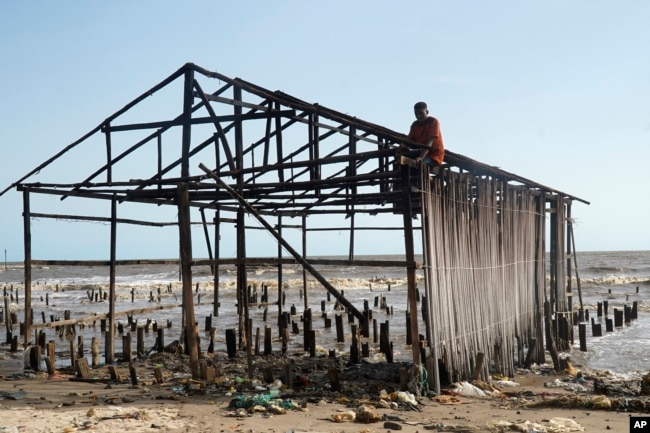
point(425, 150)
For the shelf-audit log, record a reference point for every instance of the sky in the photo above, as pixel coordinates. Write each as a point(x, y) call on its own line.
point(554, 91)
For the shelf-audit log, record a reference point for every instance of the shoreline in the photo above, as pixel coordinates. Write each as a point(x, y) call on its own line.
point(59, 403)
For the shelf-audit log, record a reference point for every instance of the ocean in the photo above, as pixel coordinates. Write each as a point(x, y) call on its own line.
point(620, 277)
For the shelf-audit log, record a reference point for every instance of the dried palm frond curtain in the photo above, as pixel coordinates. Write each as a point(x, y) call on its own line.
point(484, 271)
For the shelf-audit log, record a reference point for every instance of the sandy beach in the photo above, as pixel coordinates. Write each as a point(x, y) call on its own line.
point(537, 400)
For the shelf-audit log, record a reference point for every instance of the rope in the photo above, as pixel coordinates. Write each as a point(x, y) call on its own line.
point(418, 383)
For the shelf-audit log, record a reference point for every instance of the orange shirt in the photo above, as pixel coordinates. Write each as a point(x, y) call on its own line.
point(423, 132)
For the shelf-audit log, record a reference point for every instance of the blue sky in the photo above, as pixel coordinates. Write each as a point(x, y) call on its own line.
point(555, 91)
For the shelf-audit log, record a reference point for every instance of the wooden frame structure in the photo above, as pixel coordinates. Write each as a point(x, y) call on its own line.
point(239, 149)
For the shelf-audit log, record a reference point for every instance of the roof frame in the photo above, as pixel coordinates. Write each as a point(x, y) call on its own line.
point(341, 161)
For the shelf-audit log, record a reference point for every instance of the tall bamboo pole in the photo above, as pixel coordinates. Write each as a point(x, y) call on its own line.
point(407, 214)
point(27, 238)
point(185, 236)
point(109, 346)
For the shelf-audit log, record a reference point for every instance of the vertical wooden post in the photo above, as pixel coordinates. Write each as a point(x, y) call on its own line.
point(540, 279)
point(582, 334)
point(410, 259)
point(550, 337)
point(110, 334)
point(340, 336)
point(140, 342)
point(278, 142)
point(354, 346)
point(185, 236)
point(217, 226)
point(351, 247)
point(241, 229)
point(94, 348)
point(27, 238)
point(268, 348)
point(304, 254)
point(188, 99)
point(159, 157)
point(160, 340)
point(126, 347)
point(109, 152)
point(51, 356)
point(315, 150)
point(352, 171)
point(73, 353)
point(231, 343)
point(553, 247)
point(569, 255)
point(217, 255)
point(280, 303)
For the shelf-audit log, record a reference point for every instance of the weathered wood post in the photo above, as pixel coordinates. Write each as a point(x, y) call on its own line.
point(281, 293)
point(304, 254)
point(407, 218)
point(109, 346)
point(231, 343)
point(126, 347)
point(582, 333)
point(217, 252)
point(268, 348)
point(186, 271)
point(94, 348)
point(340, 336)
point(51, 357)
point(27, 238)
point(140, 342)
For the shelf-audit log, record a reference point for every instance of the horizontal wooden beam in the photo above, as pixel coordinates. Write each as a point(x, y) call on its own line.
point(196, 121)
point(88, 319)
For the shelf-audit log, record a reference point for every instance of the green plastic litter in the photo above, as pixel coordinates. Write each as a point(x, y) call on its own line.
point(245, 401)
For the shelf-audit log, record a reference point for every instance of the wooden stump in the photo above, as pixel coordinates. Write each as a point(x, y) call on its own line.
point(158, 374)
point(134, 375)
point(94, 348)
point(115, 373)
point(51, 353)
point(83, 371)
point(333, 376)
point(231, 343)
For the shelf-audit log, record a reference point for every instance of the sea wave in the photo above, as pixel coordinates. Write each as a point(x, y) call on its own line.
point(613, 280)
point(606, 269)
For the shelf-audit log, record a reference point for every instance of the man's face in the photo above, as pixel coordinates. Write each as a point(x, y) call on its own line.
point(421, 114)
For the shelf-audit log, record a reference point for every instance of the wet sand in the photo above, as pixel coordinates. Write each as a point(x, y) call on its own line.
point(37, 402)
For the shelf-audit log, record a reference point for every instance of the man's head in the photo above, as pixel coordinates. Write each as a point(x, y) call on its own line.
point(421, 111)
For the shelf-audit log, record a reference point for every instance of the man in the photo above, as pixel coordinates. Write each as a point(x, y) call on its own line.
point(426, 130)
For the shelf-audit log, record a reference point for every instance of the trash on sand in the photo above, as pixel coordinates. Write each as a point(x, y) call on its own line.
point(367, 414)
point(468, 390)
point(506, 383)
point(18, 395)
point(569, 386)
point(600, 402)
point(344, 416)
point(554, 425)
point(404, 397)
